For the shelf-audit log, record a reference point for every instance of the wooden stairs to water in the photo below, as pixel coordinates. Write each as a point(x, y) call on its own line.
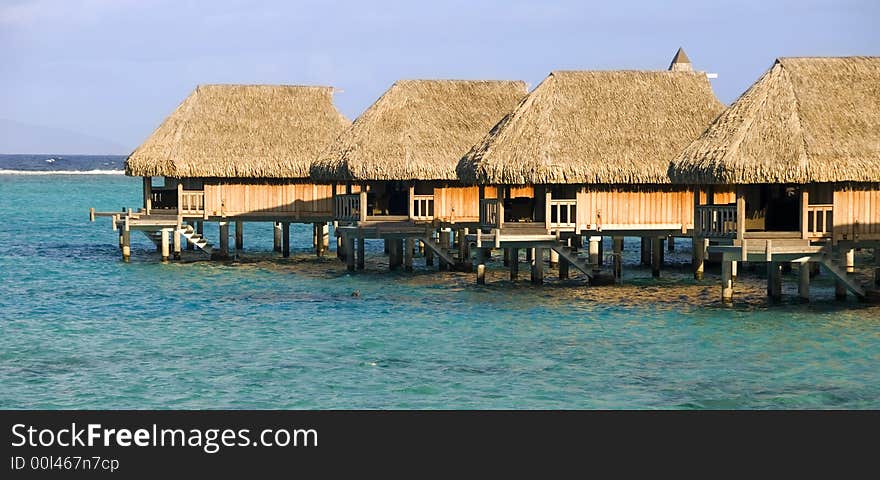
point(438, 250)
point(575, 261)
point(187, 232)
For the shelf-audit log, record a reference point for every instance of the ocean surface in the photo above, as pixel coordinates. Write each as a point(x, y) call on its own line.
point(81, 329)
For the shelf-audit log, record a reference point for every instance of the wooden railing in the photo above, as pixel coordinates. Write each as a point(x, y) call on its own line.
point(491, 213)
point(347, 207)
point(192, 202)
point(163, 198)
point(561, 214)
point(819, 220)
point(421, 207)
point(715, 221)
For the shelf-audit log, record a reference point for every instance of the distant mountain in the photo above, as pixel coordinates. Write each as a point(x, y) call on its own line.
point(17, 137)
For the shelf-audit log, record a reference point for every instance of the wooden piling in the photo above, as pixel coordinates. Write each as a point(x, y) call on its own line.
point(408, 254)
point(513, 260)
point(699, 256)
point(163, 247)
point(554, 259)
point(396, 255)
point(733, 270)
point(429, 255)
point(481, 266)
point(657, 256)
point(617, 245)
point(594, 251)
point(276, 236)
point(176, 243)
point(444, 241)
point(125, 238)
point(646, 251)
point(224, 239)
point(538, 267)
point(361, 254)
point(601, 251)
point(774, 280)
point(726, 283)
point(506, 257)
point(349, 253)
point(464, 252)
point(670, 244)
point(239, 236)
point(285, 239)
point(804, 281)
point(850, 259)
point(190, 245)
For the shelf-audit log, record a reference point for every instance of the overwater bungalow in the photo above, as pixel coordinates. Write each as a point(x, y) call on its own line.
point(397, 164)
point(586, 154)
point(234, 153)
point(791, 173)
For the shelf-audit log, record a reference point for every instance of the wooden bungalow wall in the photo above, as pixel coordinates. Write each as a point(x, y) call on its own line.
point(304, 200)
point(630, 209)
point(857, 212)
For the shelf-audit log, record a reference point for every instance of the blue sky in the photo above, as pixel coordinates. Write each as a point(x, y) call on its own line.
point(113, 69)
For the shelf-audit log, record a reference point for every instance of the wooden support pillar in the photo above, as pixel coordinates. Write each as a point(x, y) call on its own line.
point(617, 245)
point(322, 238)
point(733, 270)
point(340, 247)
point(408, 254)
point(646, 251)
point(190, 245)
point(396, 256)
point(125, 240)
point(670, 244)
point(285, 239)
point(774, 280)
point(176, 243)
point(387, 248)
point(699, 256)
point(276, 236)
point(444, 237)
point(595, 252)
point(239, 235)
point(601, 251)
point(804, 281)
point(163, 247)
point(361, 262)
point(224, 239)
point(554, 258)
point(657, 256)
point(513, 261)
point(850, 258)
point(349, 252)
point(506, 257)
point(530, 254)
point(538, 267)
point(726, 283)
point(429, 256)
point(481, 266)
point(464, 252)
point(563, 268)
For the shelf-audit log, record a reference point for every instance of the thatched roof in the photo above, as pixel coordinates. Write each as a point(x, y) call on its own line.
point(805, 120)
point(241, 131)
point(417, 130)
point(595, 127)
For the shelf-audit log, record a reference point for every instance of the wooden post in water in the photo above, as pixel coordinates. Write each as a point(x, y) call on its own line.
point(646, 251)
point(126, 241)
point(670, 244)
point(506, 257)
point(387, 249)
point(850, 260)
point(224, 239)
point(513, 260)
point(361, 262)
point(563, 268)
point(726, 283)
point(617, 244)
point(276, 236)
point(408, 254)
point(601, 251)
point(595, 252)
point(285, 239)
point(176, 243)
point(444, 236)
point(396, 259)
point(774, 280)
point(239, 236)
point(804, 281)
point(464, 249)
point(429, 255)
point(538, 266)
point(733, 269)
point(349, 253)
point(481, 266)
point(163, 247)
point(657, 256)
point(699, 256)
point(554, 258)
point(322, 238)
point(530, 254)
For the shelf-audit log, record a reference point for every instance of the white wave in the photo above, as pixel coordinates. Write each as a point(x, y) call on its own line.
point(62, 172)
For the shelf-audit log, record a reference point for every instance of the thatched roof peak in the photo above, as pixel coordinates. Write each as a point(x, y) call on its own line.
point(240, 131)
point(680, 61)
point(618, 126)
point(417, 130)
point(807, 119)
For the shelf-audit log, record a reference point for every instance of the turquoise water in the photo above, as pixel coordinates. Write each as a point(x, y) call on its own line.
point(81, 329)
